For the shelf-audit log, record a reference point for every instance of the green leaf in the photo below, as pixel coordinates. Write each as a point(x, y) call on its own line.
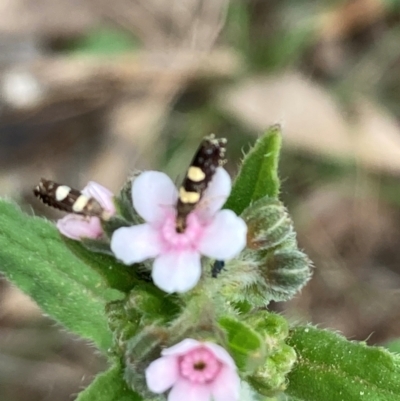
point(109, 386)
point(117, 275)
point(245, 344)
point(258, 176)
point(393, 346)
point(330, 368)
point(34, 258)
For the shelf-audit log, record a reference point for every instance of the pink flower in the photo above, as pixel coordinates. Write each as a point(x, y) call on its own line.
point(218, 234)
point(196, 371)
point(76, 226)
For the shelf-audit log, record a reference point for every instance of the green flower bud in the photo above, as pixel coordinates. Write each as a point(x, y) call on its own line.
point(273, 328)
point(141, 350)
point(115, 313)
point(284, 358)
point(123, 202)
point(145, 305)
point(284, 272)
point(268, 224)
point(270, 379)
point(267, 382)
point(152, 304)
point(272, 267)
point(123, 323)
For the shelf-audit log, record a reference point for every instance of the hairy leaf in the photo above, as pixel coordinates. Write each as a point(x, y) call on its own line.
point(245, 344)
point(116, 275)
point(258, 175)
point(330, 368)
point(35, 259)
point(109, 386)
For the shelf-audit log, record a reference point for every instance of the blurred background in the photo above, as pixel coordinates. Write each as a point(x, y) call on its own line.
point(93, 89)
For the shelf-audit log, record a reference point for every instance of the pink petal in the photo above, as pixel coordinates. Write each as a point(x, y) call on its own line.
point(186, 391)
point(221, 354)
point(177, 271)
point(101, 194)
point(226, 387)
point(215, 195)
point(136, 243)
point(225, 237)
point(182, 348)
point(76, 227)
point(161, 374)
point(152, 193)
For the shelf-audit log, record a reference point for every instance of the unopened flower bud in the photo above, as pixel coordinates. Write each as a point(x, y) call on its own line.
point(268, 224)
point(273, 328)
point(141, 350)
point(270, 379)
point(272, 267)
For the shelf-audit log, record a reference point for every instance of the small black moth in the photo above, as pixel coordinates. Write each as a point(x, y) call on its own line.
point(68, 199)
point(208, 157)
point(217, 267)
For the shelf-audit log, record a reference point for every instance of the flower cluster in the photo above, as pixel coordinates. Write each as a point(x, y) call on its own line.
point(193, 370)
point(202, 345)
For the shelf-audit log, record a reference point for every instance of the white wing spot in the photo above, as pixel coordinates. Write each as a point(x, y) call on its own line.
point(80, 204)
point(62, 192)
point(196, 174)
point(188, 197)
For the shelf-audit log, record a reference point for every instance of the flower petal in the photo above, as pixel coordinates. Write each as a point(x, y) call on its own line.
point(76, 227)
point(136, 243)
point(181, 348)
point(184, 390)
point(177, 271)
point(152, 192)
point(161, 374)
point(221, 354)
point(225, 237)
point(215, 195)
point(101, 194)
point(226, 387)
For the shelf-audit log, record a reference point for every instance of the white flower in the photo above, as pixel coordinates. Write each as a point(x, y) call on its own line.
point(218, 234)
point(195, 371)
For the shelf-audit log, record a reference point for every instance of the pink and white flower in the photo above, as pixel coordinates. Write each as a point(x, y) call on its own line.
point(76, 226)
point(218, 234)
point(196, 371)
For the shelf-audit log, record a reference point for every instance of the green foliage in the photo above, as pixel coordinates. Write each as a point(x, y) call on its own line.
point(258, 176)
point(123, 313)
point(271, 267)
point(268, 225)
point(284, 273)
point(273, 327)
point(123, 202)
point(117, 275)
point(109, 386)
point(270, 377)
point(393, 346)
point(245, 344)
point(330, 368)
point(152, 303)
point(33, 257)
